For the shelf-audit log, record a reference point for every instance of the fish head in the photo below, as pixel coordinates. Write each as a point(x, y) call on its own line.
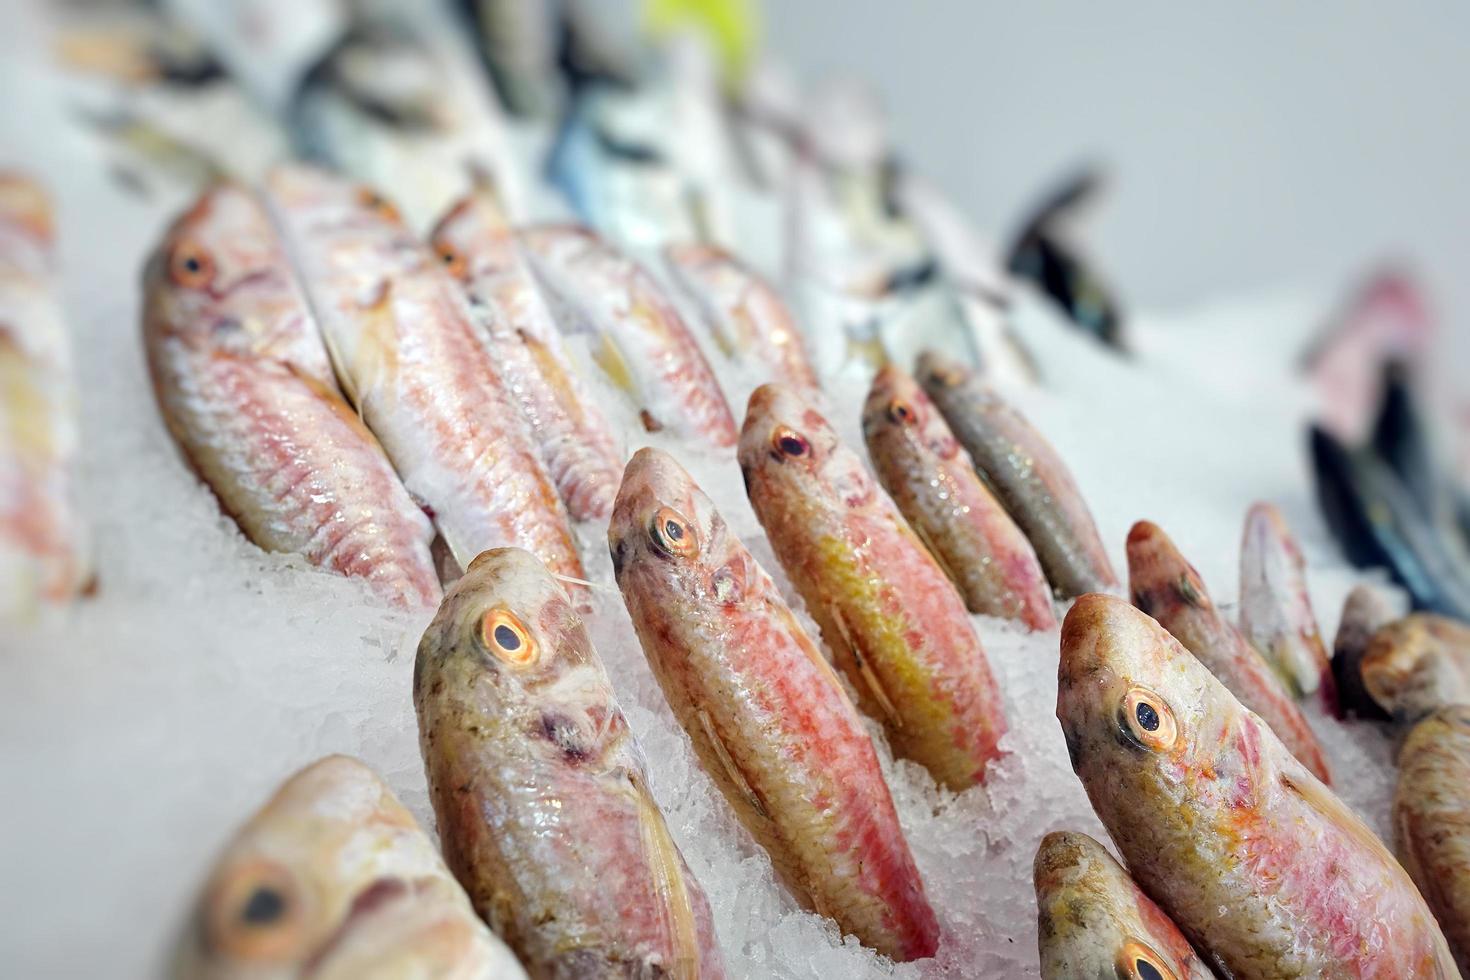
point(789, 451)
point(473, 229)
point(331, 878)
point(333, 202)
point(897, 408)
point(1159, 577)
point(937, 372)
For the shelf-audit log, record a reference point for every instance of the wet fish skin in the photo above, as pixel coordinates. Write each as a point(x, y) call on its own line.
point(893, 619)
point(933, 481)
point(540, 790)
point(412, 363)
point(1416, 665)
point(332, 878)
point(1363, 612)
point(1256, 861)
point(1430, 804)
point(583, 455)
point(1094, 923)
point(616, 298)
point(768, 718)
point(1026, 474)
point(246, 389)
point(1275, 608)
point(1166, 586)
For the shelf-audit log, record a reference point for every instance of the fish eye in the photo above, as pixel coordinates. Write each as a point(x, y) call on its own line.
point(255, 913)
point(900, 412)
point(1136, 961)
point(190, 265)
point(453, 260)
point(505, 636)
point(377, 203)
point(673, 535)
point(1148, 719)
point(788, 443)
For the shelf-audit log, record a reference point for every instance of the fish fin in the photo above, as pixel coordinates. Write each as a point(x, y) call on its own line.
point(667, 867)
point(875, 686)
point(928, 543)
point(727, 762)
point(609, 356)
point(377, 351)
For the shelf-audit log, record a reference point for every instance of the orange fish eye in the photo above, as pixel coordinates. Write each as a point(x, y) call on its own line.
point(190, 265)
point(673, 535)
point(507, 638)
point(1150, 721)
point(255, 913)
point(788, 443)
point(376, 202)
point(453, 261)
point(901, 412)
point(1137, 961)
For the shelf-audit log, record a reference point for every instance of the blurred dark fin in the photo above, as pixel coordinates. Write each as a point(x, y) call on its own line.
point(1402, 441)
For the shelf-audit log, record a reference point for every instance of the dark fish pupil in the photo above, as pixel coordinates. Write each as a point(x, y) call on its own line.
point(675, 531)
point(792, 446)
point(1147, 971)
point(1149, 719)
point(192, 264)
point(507, 638)
point(264, 907)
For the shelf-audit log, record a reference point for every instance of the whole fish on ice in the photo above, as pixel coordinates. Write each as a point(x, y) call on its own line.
point(1275, 608)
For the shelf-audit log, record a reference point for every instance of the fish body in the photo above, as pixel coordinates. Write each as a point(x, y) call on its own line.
point(896, 624)
point(612, 295)
point(1166, 586)
point(768, 718)
point(1267, 872)
point(933, 481)
point(1416, 665)
point(44, 553)
point(540, 790)
point(246, 389)
point(413, 364)
point(333, 879)
point(580, 449)
point(1431, 819)
point(1027, 475)
point(1363, 612)
point(744, 313)
point(1093, 922)
point(1275, 609)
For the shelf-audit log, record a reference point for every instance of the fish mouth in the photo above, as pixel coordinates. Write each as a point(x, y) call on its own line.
point(382, 894)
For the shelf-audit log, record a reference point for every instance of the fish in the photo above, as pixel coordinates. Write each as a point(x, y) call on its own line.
point(1275, 608)
point(1414, 665)
point(1266, 872)
point(1430, 804)
point(540, 790)
point(933, 481)
point(1026, 474)
point(893, 620)
point(1166, 586)
point(768, 717)
point(477, 244)
point(516, 40)
point(45, 549)
point(1401, 439)
point(1093, 922)
point(644, 345)
point(1363, 612)
point(747, 318)
point(246, 389)
point(412, 363)
point(333, 879)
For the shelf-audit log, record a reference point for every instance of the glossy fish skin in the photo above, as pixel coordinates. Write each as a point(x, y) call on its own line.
point(1363, 612)
point(582, 454)
point(333, 879)
point(1416, 665)
point(743, 312)
point(540, 790)
point(1095, 924)
point(1275, 609)
point(399, 331)
point(246, 390)
point(43, 541)
point(614, 297)
point(1257, 862)
point(932, 480)
point(892, 618)
point(1165, 586)
point(1026, 474)
point(768, 718)
point(1430, 809)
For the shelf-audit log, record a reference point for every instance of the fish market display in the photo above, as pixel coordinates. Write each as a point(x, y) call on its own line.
point(1095, 923)
point(1363, 612)
point(400, 335)
point(892, 618)
point(246, 390)
point(1417, 664)
point(333, 879)
point(1165, 586)
point(1275, 609)
point(1256, 861)
point(769, 720)
point(1026, 474)
point(639, 339)
point(540, 791)
point(477, 244)
point(932, 480)
point(1431, 819)
point(43, 542)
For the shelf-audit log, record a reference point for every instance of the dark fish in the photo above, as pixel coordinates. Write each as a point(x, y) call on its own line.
point(1402, 440)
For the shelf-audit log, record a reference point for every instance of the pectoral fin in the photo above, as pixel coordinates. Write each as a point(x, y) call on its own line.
point(865, 671)
point(667, 869)
point(727, 763)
